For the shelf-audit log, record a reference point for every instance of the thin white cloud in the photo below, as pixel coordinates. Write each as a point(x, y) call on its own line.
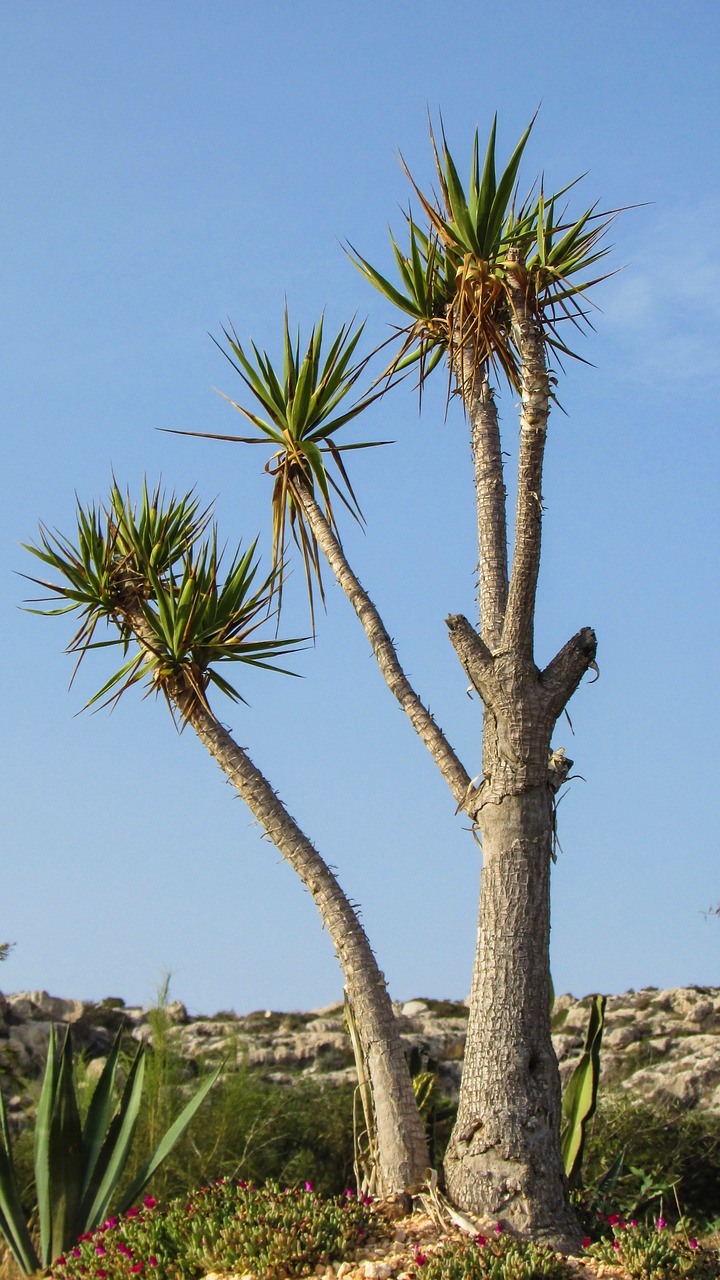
point(664, 308)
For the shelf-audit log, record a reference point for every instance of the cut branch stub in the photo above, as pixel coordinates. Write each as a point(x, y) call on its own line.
point(562, 676)
point(474, 655)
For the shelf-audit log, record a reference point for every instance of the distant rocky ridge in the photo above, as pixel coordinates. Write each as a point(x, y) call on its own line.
point(659, 1045)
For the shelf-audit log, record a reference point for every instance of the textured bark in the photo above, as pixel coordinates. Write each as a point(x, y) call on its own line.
point(504, 1158)
point(402, 1152)
point(383, 648)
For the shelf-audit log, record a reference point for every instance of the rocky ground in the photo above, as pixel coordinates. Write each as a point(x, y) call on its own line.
point(657, 1044)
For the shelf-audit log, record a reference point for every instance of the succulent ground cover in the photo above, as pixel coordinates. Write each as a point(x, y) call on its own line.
point(235, 1231)
point(270, 1232)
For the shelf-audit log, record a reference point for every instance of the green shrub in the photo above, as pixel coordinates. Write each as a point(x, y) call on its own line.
point(665, 1147)
point(254, 1130)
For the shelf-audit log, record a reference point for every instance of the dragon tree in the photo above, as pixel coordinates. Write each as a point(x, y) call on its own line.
point(487, 288)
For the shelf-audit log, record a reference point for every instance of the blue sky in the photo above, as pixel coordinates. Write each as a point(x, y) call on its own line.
point(169, 166)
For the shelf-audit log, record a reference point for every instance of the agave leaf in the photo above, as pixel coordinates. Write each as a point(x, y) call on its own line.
point(580, 1096)
point(98, 1116)
point(173, 1135)
point(65, 1156)
point(115, 1149)
point(12, 1216)
point(43, 1124)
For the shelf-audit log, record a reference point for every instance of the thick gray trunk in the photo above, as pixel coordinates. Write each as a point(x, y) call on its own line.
point(504, 1159)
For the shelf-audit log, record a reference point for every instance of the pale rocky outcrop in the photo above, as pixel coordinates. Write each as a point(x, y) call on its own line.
point(658, 1045)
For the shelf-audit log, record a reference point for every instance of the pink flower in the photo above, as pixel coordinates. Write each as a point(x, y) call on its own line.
point(124, 1249)
point(132, 1213)
point(367, 1199)
point(138, 1267)
point(480, 1241)
point(586, 1242)
point(420, 1258)
point(693, 1244)
point(498, 1229)
point(349, 1193)
point(661, 1224)
point(76, 1252)
point(149, 1202)
point(153, 1260)
point(616, 1244)
point(309, 1186)
point(61, 1260)
point(100, 1251)
point(632, 1223)
point(613, 1218)
point(101, 1275)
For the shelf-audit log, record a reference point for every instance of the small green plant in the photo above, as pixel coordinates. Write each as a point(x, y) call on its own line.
point(655, 1252)
point(667, 1146)
point(501, 1257)
point(77, 1167)
point(230, 1226)
point(580, 1094)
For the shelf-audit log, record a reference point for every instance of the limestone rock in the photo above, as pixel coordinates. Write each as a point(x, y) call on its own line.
point(658, 1045)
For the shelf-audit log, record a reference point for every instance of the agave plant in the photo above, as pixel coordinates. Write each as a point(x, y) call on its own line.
point(302, 414)
point(456, 277)
point(78, 1166)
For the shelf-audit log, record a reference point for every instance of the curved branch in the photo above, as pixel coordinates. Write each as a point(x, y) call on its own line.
point(382, 646)
point(402, 1149)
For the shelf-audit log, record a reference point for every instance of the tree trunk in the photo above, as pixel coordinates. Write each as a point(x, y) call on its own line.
point(402, 1149)
point(402, 1153)
point(504, 1159)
